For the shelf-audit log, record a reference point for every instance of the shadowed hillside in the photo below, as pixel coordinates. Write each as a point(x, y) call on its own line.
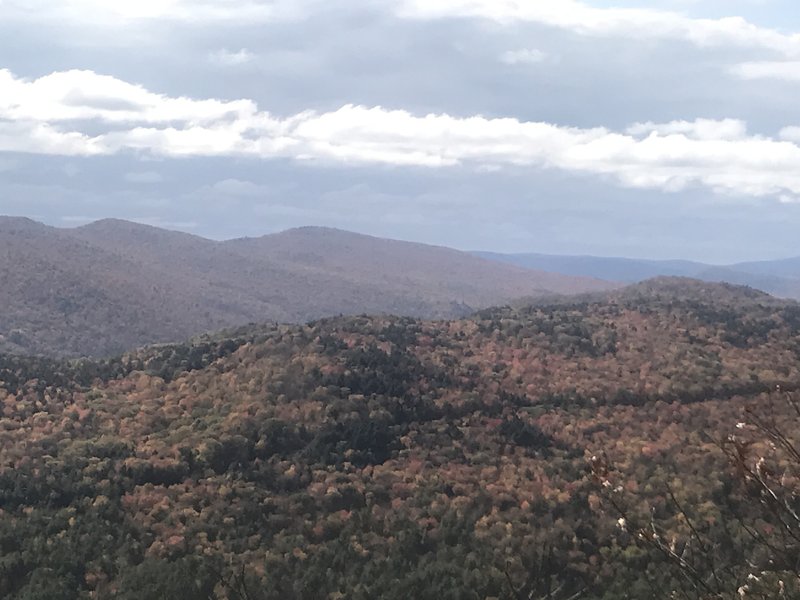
point(113, 285)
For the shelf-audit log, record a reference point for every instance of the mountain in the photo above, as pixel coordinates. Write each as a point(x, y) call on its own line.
point(62, 295)
point(788, 267)
point(628, 270)
point(402, 267)
point(389, 457)
point(114, 285)
point(780, 277)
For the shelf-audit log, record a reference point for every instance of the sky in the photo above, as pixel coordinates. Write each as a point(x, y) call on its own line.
point(665, 129)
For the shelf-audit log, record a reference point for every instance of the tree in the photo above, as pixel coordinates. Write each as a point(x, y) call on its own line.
point(751, 547)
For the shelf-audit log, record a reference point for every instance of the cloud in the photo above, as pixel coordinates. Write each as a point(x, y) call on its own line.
point(83, 95)
point(784, 70)
point(572, 15)
point(228, 58)
point(699, 129)
point(44, 117)
point(637, 23)
point(791, 133)
point(41, 138)
point(120, 12)
point(523, 56)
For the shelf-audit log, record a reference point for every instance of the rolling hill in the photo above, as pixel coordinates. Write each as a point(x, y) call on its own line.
point(394, 458)
point(114, 285)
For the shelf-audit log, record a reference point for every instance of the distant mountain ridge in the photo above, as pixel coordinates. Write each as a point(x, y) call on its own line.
point(113, 285)
point(780, 277)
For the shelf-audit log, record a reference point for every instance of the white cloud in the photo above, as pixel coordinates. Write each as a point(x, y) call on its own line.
point(80, 95)
point(791, 133)
point(523, 56)
point(699, 129)
point(41, 138)
point(785, 70)
point(637, 23)
point(45, 116)
point(228, 58)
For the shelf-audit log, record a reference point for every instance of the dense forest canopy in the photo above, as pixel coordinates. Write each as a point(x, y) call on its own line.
point(387, 457)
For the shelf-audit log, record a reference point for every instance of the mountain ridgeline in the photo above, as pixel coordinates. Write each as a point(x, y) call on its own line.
point(113, 285)
point(385, 457)
point(779, 277)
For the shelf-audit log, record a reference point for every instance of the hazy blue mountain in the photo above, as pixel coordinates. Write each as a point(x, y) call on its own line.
point(787, 267)
point(779, 277)
point(627, 270)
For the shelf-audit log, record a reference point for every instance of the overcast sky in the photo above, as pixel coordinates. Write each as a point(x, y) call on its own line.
point(662, 129)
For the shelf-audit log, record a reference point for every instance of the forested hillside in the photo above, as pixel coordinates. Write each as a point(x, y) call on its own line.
point(113, 285)
point(388, 457)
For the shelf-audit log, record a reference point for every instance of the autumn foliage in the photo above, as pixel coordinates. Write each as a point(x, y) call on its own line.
point(381, 457)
